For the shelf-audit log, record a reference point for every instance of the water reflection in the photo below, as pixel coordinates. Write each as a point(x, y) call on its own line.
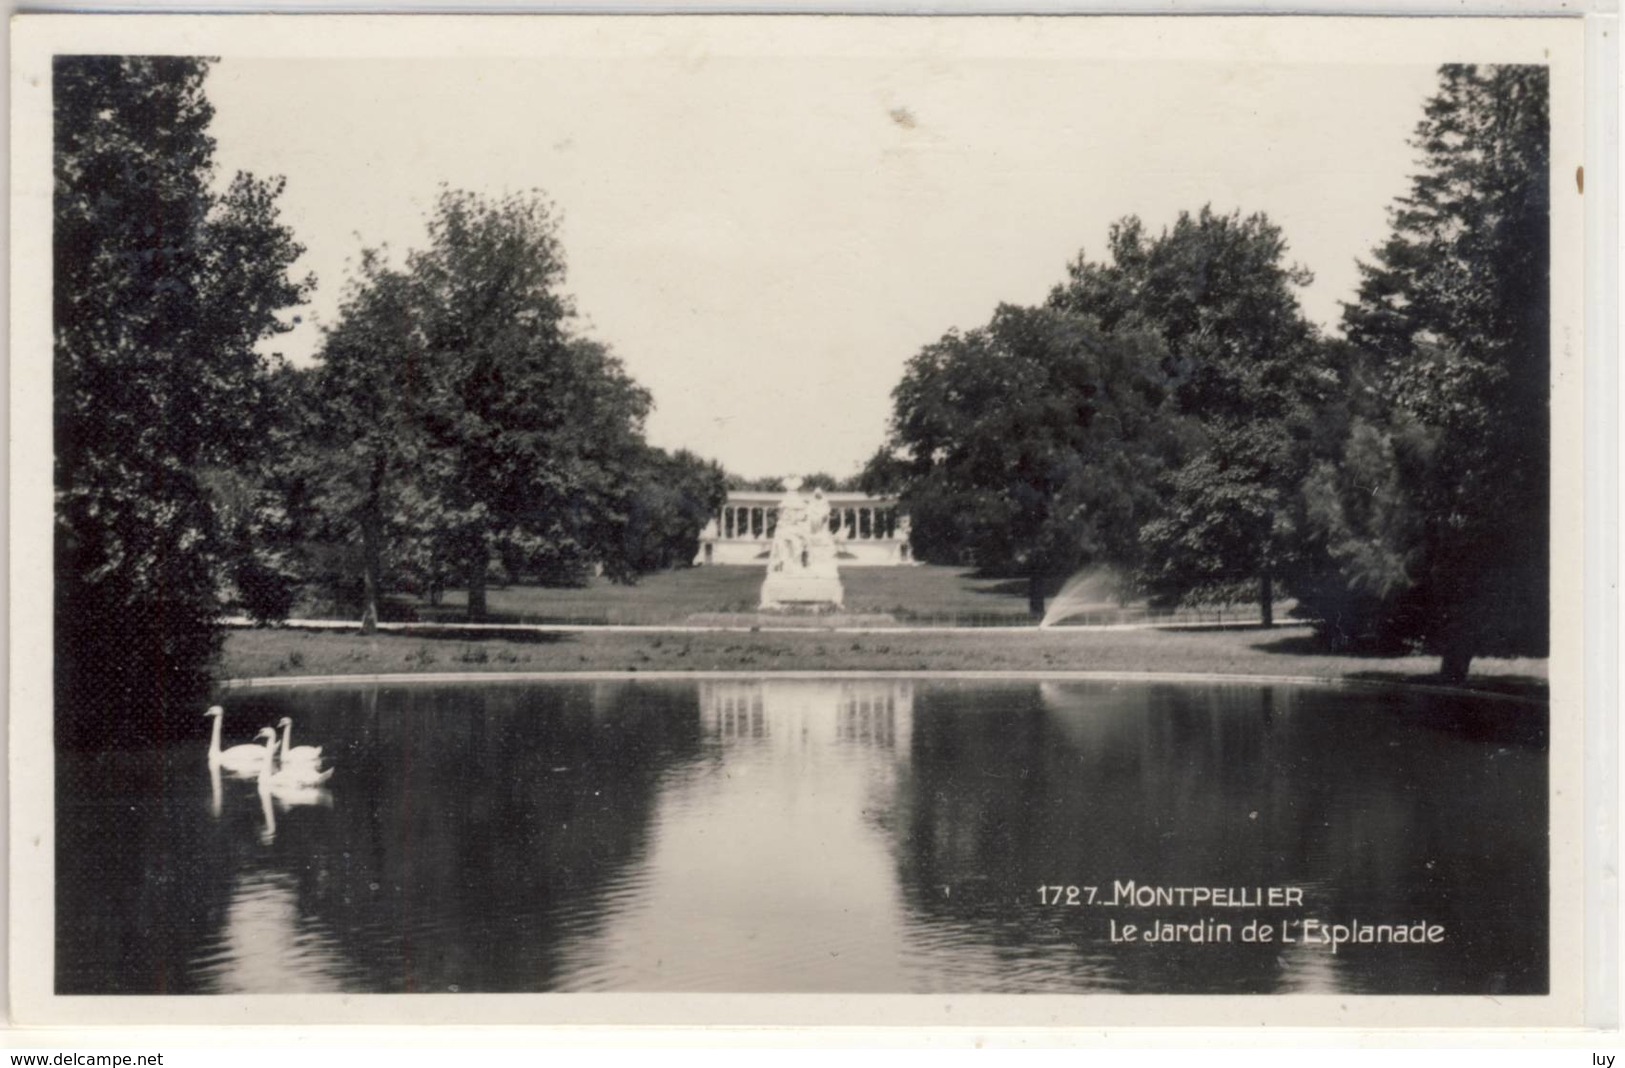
point(772, 865)
point(773, 834)
point(267, 945)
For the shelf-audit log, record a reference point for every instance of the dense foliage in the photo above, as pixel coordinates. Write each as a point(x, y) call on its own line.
point(1034, 442)
point(469, 430)
point(1435, 512)
point(164, 289)
point(1242, 362)
point(1150, 415)
point(1395, 482)
point(676, 494)
point(1168, 410)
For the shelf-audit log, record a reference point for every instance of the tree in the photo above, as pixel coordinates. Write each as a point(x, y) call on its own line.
point(1362, 532)
point(1241, 362)
point(767, 484)
point(677, 494)
point(1221, 534)
point(1037, 435)
point(534, 435)
point(163, 292)
point(368, 410)
point(262, 509)
point(1455, 312)
point(475, 427)
point(823, 480)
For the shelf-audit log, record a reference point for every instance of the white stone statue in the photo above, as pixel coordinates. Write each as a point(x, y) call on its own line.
point(818, 517)
point(792, 534)
point(801, 569)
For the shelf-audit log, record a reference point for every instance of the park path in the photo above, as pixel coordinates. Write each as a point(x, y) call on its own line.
point(774, 627)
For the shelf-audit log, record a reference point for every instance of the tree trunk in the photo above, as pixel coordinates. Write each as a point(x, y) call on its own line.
point(1457, 658)
point(1460, 636)
point(1035, 596)
point(476, 587)
point(1266, 599)
point(372, 534)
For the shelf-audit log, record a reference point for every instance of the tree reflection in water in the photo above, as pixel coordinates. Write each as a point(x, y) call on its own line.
point(1339, 792)
point(772, 867)
point(785, 834)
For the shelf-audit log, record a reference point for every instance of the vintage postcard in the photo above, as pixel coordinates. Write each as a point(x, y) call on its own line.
point(1037, 521)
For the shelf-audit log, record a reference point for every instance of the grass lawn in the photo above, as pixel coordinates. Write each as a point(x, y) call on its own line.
point(662, 597)
point(922, 594)
point(261, 653)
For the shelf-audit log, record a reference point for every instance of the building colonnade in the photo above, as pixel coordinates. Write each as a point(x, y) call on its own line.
point(757, 522)
point(868, 531)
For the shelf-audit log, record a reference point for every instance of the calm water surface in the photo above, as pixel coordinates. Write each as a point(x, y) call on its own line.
point(770, 834)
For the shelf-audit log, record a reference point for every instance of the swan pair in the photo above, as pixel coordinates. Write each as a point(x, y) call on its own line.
point(293, 775)
point(296, 782)
point(300, 765)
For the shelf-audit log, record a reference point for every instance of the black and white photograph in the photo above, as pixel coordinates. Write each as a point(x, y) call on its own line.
point(1053, 517)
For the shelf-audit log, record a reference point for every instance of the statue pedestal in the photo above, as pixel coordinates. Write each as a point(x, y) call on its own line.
point(801, 590)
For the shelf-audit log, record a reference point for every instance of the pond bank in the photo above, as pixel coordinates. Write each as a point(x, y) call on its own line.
point(1281, 651)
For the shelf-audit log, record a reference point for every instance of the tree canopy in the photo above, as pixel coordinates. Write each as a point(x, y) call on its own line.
point(367, 434)
point(676, 494)
point(469, 420)
point(1454, 312)
point(1168, 409)
point(1242, 364)
point(1034, 442)
point(164, 290)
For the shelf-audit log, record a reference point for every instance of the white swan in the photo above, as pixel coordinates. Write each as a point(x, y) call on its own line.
point(288, 782)
point(242, 760)
point(298, 754)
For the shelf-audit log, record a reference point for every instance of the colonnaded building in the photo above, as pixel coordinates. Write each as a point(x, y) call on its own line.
point(868, 531)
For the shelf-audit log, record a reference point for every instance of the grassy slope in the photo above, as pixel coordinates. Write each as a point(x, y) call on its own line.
point(262, 653)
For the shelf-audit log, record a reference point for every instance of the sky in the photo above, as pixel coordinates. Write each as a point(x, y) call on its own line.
point(766, 237)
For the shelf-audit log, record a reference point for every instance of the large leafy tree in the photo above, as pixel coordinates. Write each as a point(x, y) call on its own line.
point(1036, 437)
point(535, 435)
point(676, 494)
point(164, 289)
point(473, 429)
point(1242, 365)
point(1454, 313)
point(366, 436)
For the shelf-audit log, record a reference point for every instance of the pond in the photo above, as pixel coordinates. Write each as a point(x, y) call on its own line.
point(866, 834)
